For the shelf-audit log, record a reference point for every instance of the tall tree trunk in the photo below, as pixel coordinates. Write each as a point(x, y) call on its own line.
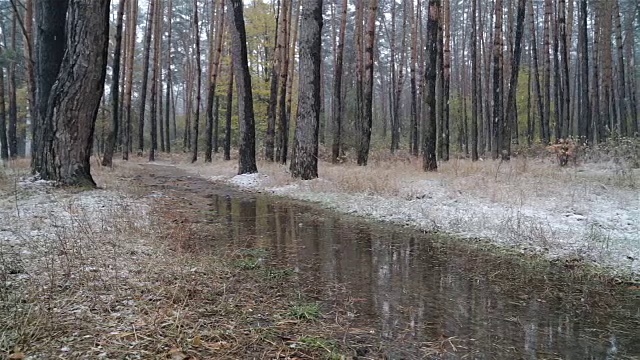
point(597, 130)
point(513, 82)
point(446, 79)
point(4, 146)
point(73, 121)
point(584, 119)
point(13, 102)
point(169, 79)
point(623, 103)
point(196, 117)
point(304, 163)
point(498, 116)
point(367, 93)
point(475, 82)
point(145, 75)
point(429, 162)
point(247, 159)
point(414, 89)
point(229, 105)
point(107, 159)
point(153, 126)
point(546, 65)
point(564, 53)
point(283, 50)
point(269, 142)
point(337, 110)
point(132, 17)
point(557, 80)
point(293, 40)
point(28, 50)
point(214, 56)
point(536, 71)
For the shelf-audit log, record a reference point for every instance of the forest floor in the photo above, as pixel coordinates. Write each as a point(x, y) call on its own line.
point(119, 272)
point(586, 213)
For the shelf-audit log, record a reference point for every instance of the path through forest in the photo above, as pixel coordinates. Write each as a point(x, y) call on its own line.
point(415, 294)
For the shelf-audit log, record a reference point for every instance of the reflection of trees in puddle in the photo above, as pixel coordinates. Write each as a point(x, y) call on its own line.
point(415, 294)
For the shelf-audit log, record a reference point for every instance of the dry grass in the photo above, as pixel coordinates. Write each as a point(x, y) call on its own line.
point(106, 275)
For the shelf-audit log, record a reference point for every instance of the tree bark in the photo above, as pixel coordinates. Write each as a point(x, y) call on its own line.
point(13, 102)
point(132, 17)
point(414, 89)
point(304, 163)
point(513, 82)
point(169, 79)
point(269, 142)
point(474, 82)
point(429, 162)
point(212, 125)
point(229, 111)
point(247, 158)
point(545, 119)
point(498, 116)
point(4, 149)
point(75, 97)
point(337, 110)
point(367, 93)
point(281, 111)
point(196, 117)
point(446, 79)
point(107, 159)
point(145, 75)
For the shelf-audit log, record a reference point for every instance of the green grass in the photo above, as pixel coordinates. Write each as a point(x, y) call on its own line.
point(306, 312)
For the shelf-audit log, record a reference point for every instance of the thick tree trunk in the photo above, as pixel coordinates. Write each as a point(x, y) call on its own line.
point(337, 110)
point(564, 53)
point(446, 80)
point(82, 75)
point(429, 162)
point(247, 158)
point(304, 163)
point(145, 75)
point(623, 103)
point(367, 93)
point(107, 159)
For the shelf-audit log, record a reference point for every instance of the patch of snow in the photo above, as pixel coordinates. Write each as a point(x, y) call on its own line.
point(249, 181)
point(606, 230)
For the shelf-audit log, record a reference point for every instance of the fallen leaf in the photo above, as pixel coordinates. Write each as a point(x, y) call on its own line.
point(17, 356)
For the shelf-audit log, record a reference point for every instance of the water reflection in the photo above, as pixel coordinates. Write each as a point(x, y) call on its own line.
point(417, 295)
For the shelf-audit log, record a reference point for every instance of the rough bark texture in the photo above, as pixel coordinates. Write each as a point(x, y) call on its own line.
point(429, 162)
point(107, 159)
point(281, 110)
point(75, 97)
point(13, 101)
point(546, 74)
point(247, 158)
point(304, 163)
point(367, 88)
point(49, 48)
point(155, 78)
point(414, 86)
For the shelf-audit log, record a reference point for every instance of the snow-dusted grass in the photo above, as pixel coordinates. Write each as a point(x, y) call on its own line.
point(590, 212)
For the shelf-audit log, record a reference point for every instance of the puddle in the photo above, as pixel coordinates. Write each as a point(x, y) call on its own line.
point(416, 295)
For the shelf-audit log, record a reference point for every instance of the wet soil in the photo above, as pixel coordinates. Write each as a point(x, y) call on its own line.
point(403, 294)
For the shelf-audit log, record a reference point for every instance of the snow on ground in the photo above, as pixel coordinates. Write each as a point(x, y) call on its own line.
point(40, 223)
point(593, 222)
